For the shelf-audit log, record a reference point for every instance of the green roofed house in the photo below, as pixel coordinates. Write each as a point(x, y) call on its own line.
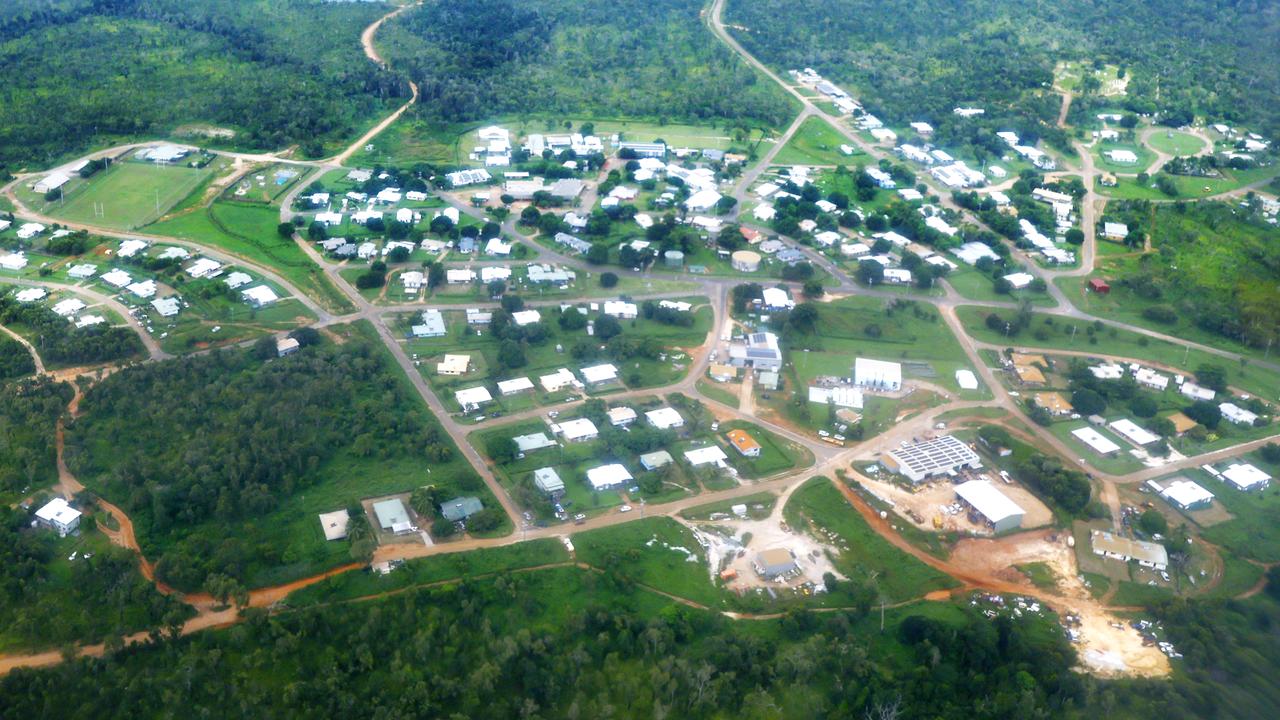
point(461, 508)
point(392, 515)
point(655, 459)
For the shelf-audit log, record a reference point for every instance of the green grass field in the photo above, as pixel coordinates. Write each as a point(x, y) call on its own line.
point(249, 231)
point(129, 194)
point(1174, 142)
point(863, 554)
point(973, 285)
point(815, 143)
point(626, 549)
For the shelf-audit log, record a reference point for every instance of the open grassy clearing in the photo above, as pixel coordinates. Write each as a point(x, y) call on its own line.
point(863, 555)
point(1252, 533)
point(1176, 142)
point(249, 231)
point(657, 552)
point(973, 285)
point(815, 143)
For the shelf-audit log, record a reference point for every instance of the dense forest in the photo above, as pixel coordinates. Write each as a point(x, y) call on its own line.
point(15, 359)
point(633, 58)
point(29, 411)
point(201, 450)
point(566, 643)
point(81, 73)
point(98, 596)
point(61, 343)
point(915, 60)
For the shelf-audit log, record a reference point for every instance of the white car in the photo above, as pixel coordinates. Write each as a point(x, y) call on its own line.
point(624, 508)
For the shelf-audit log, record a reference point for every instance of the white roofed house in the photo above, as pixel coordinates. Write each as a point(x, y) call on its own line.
point(1115, 230)
point(1237, 414)
point(30, 295)
point(577, 430)
point(144, 288)
point(204, 267)
point(166, 307)
point(413, 280)
point(664, 418)
point(609, 476)
point(1195, 392)
point(68, 307)
point(532, 442)
point(703, 200)
point(129, 248)
point(237, 279)
point(597, 374)
point(525, 317)
point(620, 309)
point(515, 386)
point(777, 299)
point(1019, 281)
point(453, 365)
point(58, 515)
point(557, 380)
point(116, 278)
point(470, 399)
point(710, 455)
point(260, 296)
point(460, 276)
point(548, 481)
point(82, 271)
point(1246, 477)
point(1134, 433)
point(430, 324)
point(1098, 442)
point(621, 416)
point(1187, 494)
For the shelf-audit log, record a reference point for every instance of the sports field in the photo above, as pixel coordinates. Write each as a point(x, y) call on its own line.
point(1173, 142)
point(129, 195)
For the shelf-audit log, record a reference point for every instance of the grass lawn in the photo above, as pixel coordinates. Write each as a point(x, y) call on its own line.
point(815, 143)
point(776, 453)
point(1175, 142)
point(1237, 576)
point(412, 140)
point(1040, 575)
point(249, 231)
point(863, 554)
point(1119, 342)
point(129, 194)
point(655, 552)
point(758, 506)
point(717, 392)
point(1130, 593)
point(973, 285)
point(462, 565)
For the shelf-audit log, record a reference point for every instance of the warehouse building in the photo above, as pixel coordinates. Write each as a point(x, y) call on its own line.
point(998, 510)
point(775, 563)
point(941, 456)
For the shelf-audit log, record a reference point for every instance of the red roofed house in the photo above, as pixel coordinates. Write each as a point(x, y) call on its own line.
point(1099, 286)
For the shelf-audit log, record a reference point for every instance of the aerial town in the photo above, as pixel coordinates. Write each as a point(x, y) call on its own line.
point(640, 395)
